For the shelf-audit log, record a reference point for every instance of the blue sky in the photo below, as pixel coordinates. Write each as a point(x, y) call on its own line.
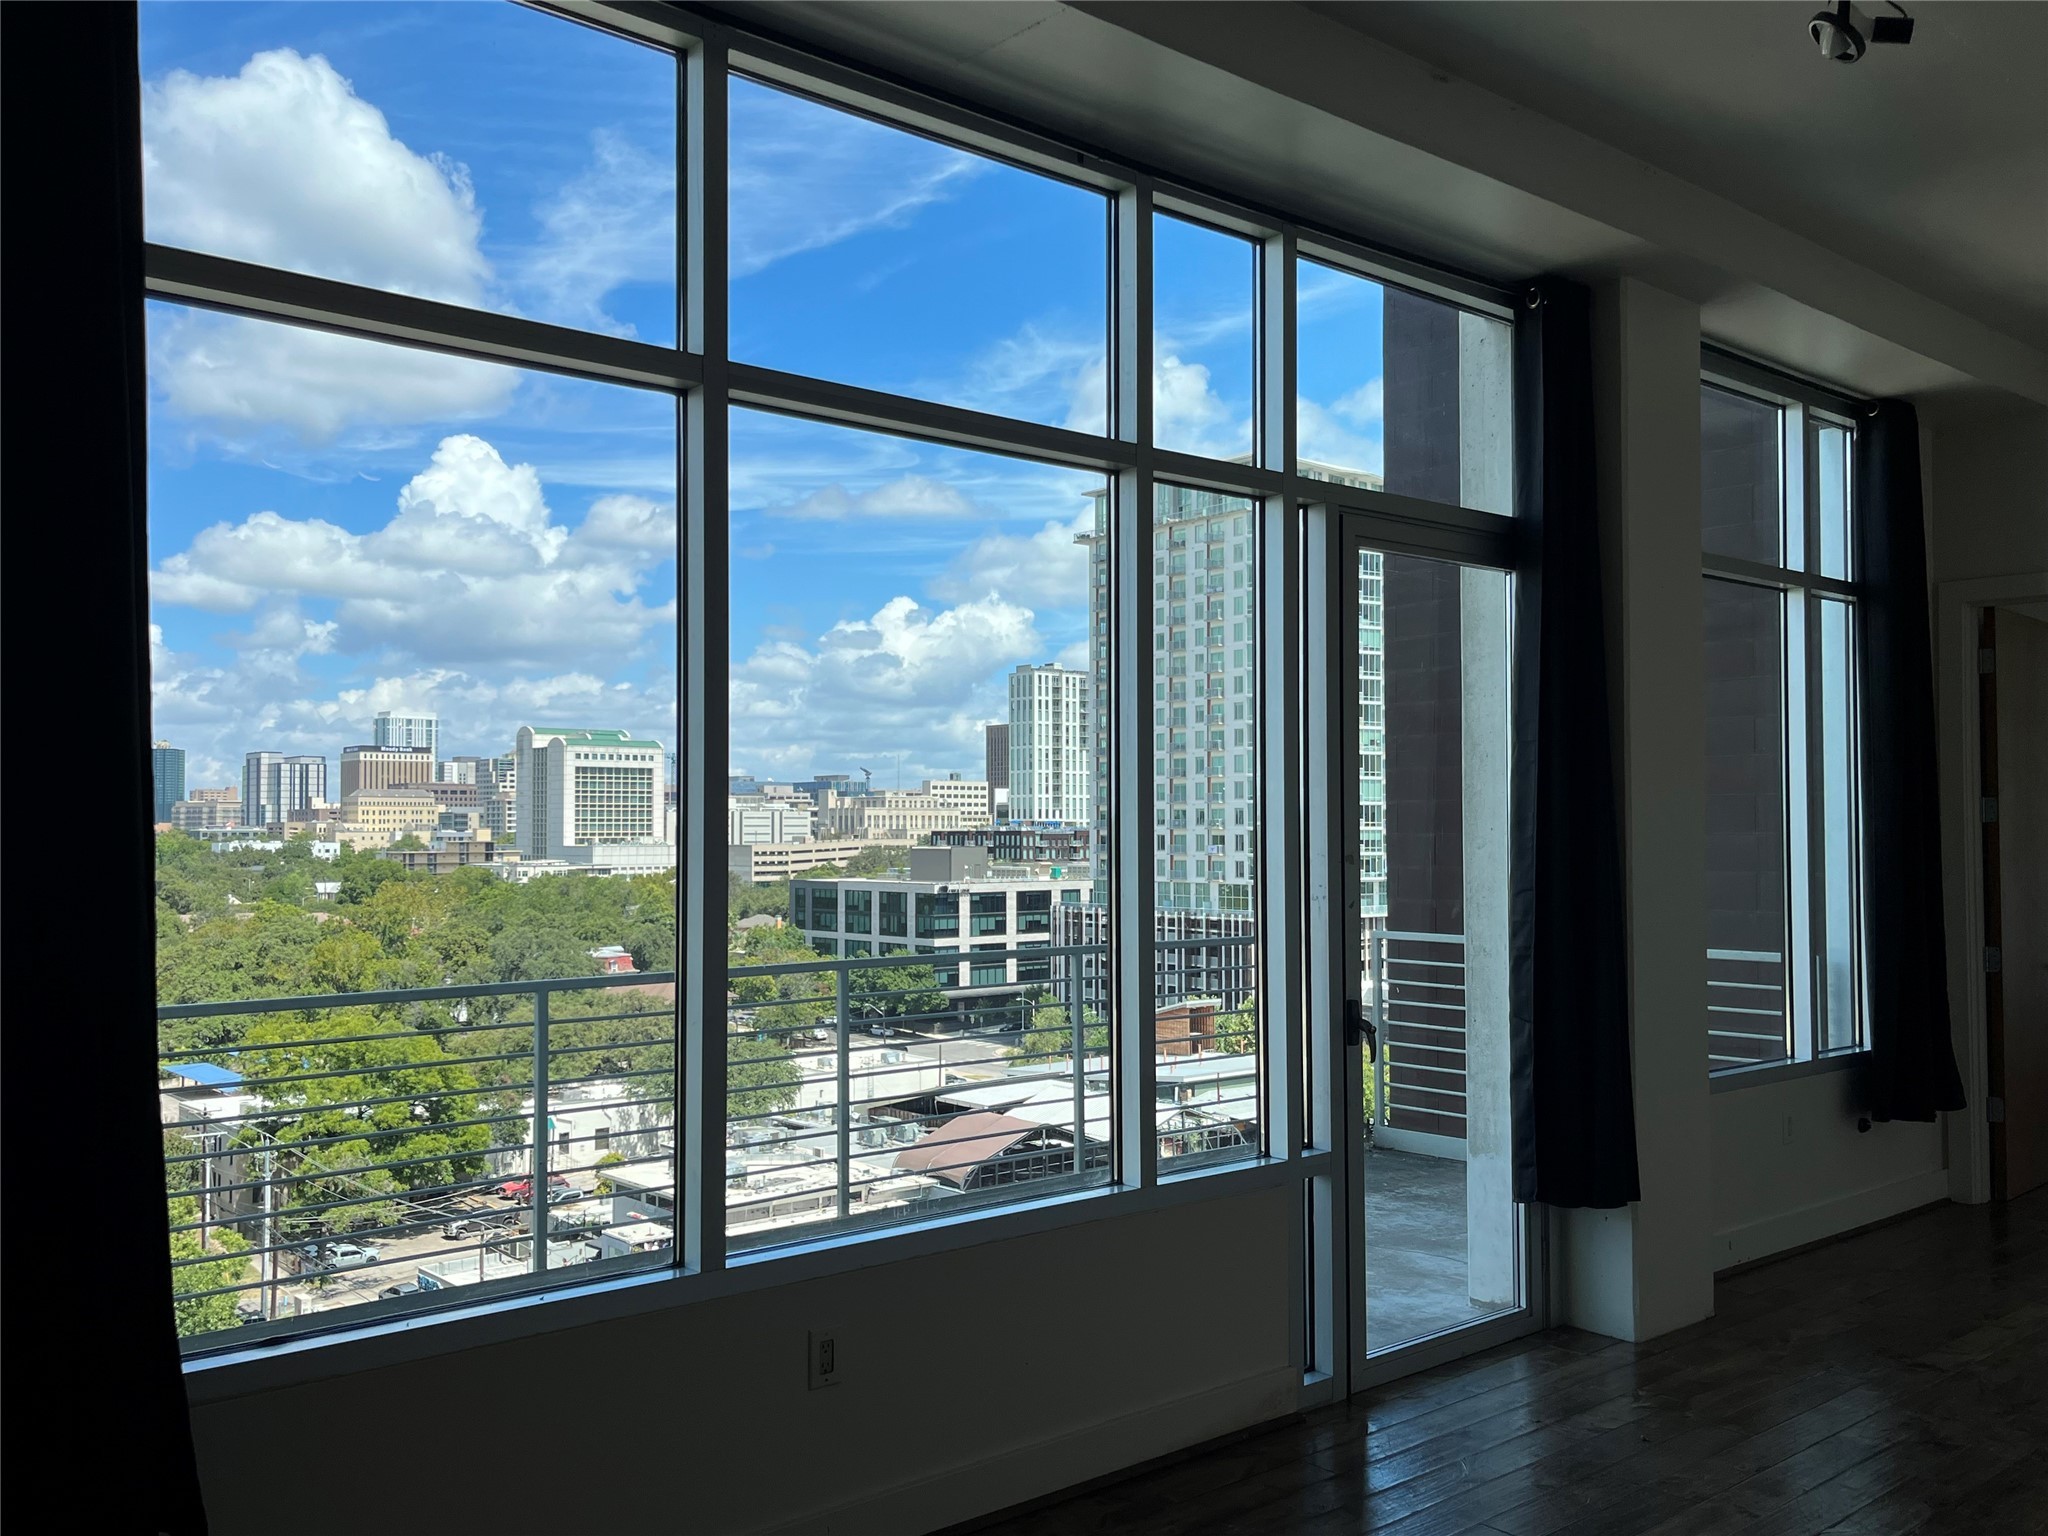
point(339, 527)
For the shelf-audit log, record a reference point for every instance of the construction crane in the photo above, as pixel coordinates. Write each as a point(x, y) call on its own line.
point(867, 781)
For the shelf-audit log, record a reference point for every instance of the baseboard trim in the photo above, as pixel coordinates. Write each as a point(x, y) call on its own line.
point(1045, 1471)
point(1826, 1221)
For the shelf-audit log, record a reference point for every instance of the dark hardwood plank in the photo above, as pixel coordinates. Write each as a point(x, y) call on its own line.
point(1893, 1383)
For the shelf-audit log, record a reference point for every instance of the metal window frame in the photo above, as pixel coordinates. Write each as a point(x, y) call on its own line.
point(1804, 410)
point(1301, 523)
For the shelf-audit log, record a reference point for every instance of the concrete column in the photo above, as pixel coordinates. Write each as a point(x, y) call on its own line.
point(1486, 482)
point(1648, 1269)
point(1492, 1273)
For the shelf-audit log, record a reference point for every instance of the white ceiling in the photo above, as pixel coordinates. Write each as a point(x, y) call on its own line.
point(1929, 163)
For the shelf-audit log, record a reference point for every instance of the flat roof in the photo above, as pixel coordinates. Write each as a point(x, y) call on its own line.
point(206, 1074)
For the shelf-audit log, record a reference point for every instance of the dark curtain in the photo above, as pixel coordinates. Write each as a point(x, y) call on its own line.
point(1574, 1107)
point(97, 1431)
point(1911, 1071)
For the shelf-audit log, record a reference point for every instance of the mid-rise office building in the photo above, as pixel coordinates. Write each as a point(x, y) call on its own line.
point(398, 729)
point(769, 819)
point(274, 783)
point(951, 904)
point(1052, 772)
point(1025, 842)
point(766, 863)
point(585, 789)
point(376, 767)
point(204, 810)
point(393, 812)
point(167, 778)
point(904, 815)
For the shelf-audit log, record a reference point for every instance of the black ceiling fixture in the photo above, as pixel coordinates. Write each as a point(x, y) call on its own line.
point(1844, 33)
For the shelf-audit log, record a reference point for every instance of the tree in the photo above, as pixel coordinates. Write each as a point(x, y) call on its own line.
point(1049, 1041)
point(1236, 1033)
point(603, 1187)
point(358, 1105)
point(223, 1265)
point(894, 991)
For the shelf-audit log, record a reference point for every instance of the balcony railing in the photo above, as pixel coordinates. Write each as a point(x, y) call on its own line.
point(413, 1142)
point(1746, 1019)
point(1415, 985)
point(377, 1148)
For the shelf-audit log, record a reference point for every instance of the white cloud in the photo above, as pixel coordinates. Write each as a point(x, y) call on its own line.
point(804, 177)
point(470, 568)
point(1045, 569)
point(247, 376)
point(284, 164)
point(614, 224)
point(906, 680)
point(905, 496)
point(1364, 406)
point(1325, 437)
point(629, 522)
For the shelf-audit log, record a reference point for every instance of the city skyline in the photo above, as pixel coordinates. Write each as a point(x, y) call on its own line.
point(340, 527)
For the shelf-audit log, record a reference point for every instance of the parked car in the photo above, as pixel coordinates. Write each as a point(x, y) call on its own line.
point(409, 1288)
point(350, 1256)
point(522, 1189)
point(557, 1193)
point(456, 1230)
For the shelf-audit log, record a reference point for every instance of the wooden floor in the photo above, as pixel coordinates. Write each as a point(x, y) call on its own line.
point(1894, 1382)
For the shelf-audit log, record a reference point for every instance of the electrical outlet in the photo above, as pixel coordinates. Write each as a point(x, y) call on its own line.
point(824, 1360)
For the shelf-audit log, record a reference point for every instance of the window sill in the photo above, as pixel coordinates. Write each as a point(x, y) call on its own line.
point(407, 1337)
point(1736, 1078)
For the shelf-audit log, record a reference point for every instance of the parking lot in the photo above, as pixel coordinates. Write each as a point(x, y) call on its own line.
point(402, 1250)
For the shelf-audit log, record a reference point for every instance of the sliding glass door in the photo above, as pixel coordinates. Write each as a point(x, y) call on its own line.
point(1438, 1257)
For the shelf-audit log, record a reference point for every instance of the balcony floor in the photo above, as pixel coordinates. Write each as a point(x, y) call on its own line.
point(1415, 1279)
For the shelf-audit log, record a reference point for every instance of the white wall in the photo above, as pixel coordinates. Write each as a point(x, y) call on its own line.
point(970, 1381)
point(1791, 1168)
point(1989, 493)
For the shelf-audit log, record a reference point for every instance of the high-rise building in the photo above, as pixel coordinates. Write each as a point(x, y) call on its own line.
point(461, 770)
point(583, 789)
point(1051, 741)
point(275, 783)
point(167, 776)
point(1205, 662)
point(394, 729)
point(376, 767)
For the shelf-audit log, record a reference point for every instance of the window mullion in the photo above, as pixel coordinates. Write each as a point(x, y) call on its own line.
point(1281, 735)
point(1132, 944)
point(705, 639)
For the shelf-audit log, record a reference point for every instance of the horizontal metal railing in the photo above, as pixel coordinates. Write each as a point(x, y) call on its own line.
point(1415, 987)
point(847, 1084)
point(280, 1163)
point(1747, 1022)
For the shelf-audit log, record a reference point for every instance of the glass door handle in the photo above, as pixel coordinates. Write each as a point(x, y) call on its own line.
point(1359, 1029)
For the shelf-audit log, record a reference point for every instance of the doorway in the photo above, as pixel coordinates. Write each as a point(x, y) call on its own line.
point(1437, 1250)
point(2012, 714)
